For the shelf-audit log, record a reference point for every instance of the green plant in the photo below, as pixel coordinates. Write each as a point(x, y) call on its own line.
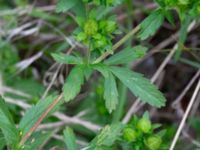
point(95, 32)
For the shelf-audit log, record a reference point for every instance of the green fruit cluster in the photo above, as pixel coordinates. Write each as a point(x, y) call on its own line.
point(97, 34)
point(144, 125)
point(130, 134)
point(141, 133)
point(191, 7)
point(154, 142)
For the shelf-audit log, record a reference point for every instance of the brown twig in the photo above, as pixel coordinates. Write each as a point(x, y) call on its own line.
point(40, 119)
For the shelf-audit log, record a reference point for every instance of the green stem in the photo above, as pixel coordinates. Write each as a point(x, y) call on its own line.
point(88, 52)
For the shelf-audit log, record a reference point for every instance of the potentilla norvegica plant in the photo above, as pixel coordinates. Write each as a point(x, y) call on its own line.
point(96, 30)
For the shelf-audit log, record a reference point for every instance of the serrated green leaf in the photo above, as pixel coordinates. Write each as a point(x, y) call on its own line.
point(33, 114)
point(140, 86)
point(24, 85)
point(73, 83)
point(69, 139)
point(110, 93)
point(127, 55)
point(37, 139)
point(65, 5)
point(66, 59)
point(107, 136)
point(151, 24)
point(2, 141)
point(103, 69)
point(79, 9)
point(7, 125)
point(110, 88)
point(88, 70)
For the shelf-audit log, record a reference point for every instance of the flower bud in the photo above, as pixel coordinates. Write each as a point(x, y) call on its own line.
point(144, 125)
point(81, 36)
point(99, 43)
point(90, 27)
point(154, 142)
point(110, 26)
point(130, 134)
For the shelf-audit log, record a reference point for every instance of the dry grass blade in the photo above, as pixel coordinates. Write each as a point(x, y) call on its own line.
point(181, 125)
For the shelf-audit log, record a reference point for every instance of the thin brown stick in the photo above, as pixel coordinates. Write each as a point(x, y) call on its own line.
point(40, 119)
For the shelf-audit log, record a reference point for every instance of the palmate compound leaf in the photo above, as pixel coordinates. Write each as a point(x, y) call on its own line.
point(110, 87)
point(151, 24)
point(73, 83)
point(139, 86)
point(33, 114)
point(70, 139)
point(127, 55)
point(7, 125)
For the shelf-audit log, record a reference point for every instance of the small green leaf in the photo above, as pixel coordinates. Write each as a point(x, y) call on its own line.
point(127, 55)
point(151, 24)
point(73, 83)
point(140, 86)
point(79, 9)
point(65, 5)
point(108, 135)
point(7, 125)
point(38, 139)
point(66, 59)
point(33, 114)
point(88, 70)
point(69, 139)
point(110, 88)
point(110, 93)
point(103, 69)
